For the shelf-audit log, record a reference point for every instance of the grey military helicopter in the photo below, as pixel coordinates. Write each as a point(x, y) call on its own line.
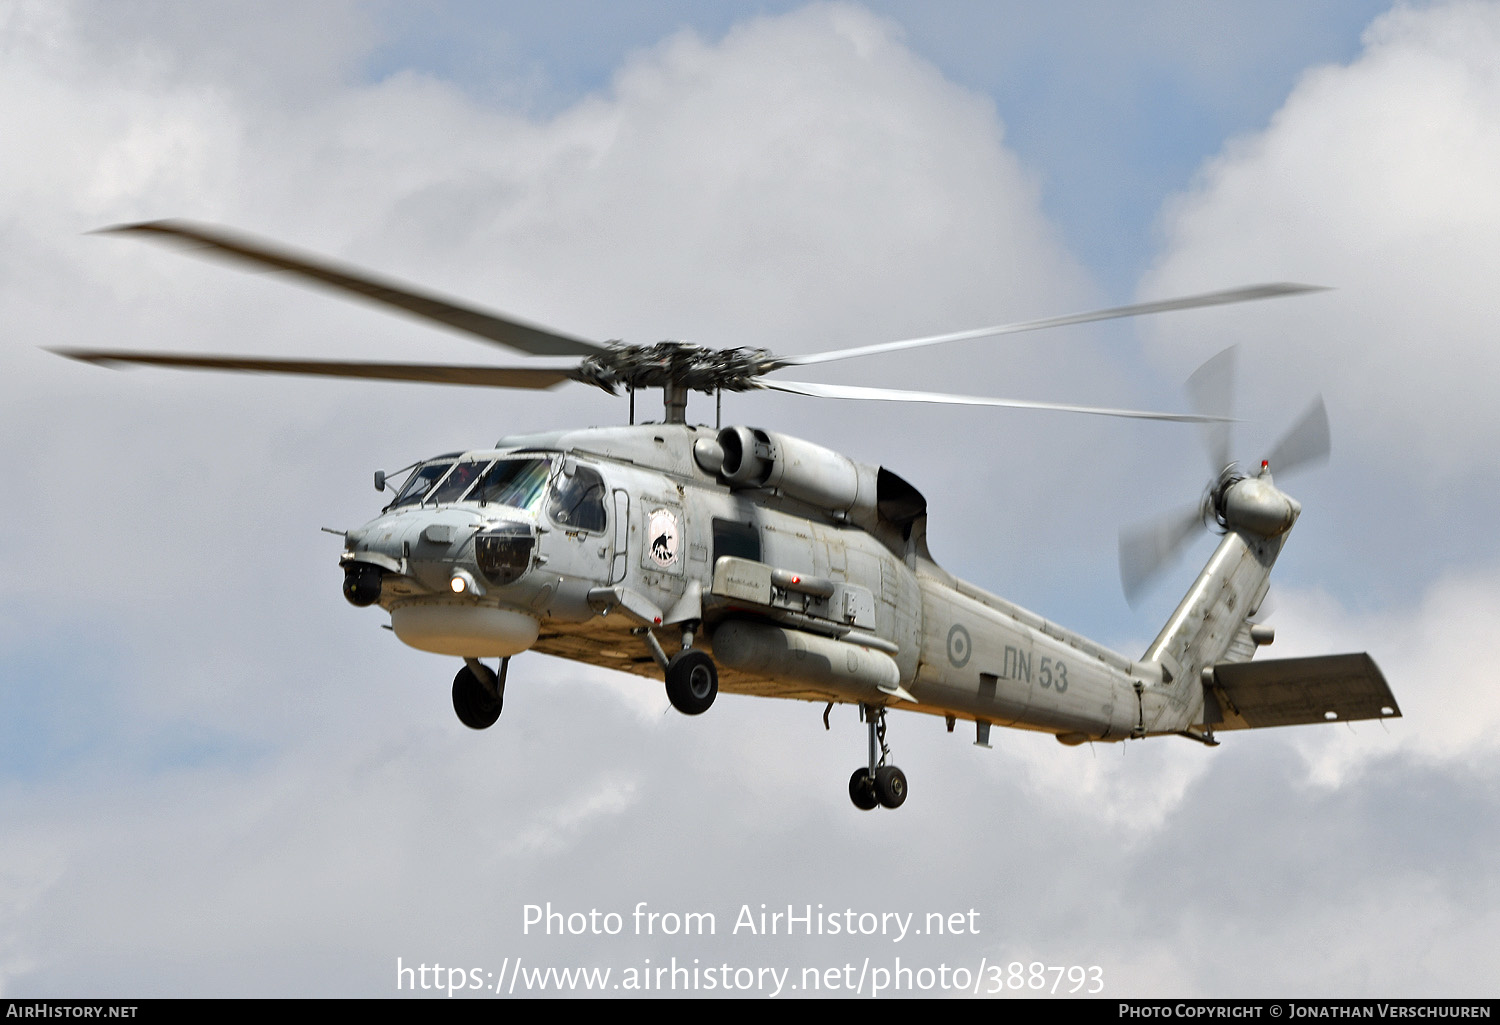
point(745, 560)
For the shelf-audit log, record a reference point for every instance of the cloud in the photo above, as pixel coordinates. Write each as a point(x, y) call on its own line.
point(233, 765)
point(1375, 177)
point(1435, 653)
point(219, 779)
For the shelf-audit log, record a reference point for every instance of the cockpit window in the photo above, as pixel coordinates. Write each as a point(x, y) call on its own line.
point(577, 502)
point(518, 483)
point(514, 482)
point(421, 481)
point(454, 485)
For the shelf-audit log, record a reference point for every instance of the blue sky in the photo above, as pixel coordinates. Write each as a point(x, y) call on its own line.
point(1113, 107)
point(218, 778)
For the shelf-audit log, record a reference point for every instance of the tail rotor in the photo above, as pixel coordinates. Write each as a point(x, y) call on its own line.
point(1306, 444)
point(1147, 549)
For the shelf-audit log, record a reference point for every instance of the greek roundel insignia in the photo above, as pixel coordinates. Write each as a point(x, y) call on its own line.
point(663, 537)
point(959, 646)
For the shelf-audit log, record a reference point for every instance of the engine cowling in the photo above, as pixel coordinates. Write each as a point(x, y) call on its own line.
point(749, 457)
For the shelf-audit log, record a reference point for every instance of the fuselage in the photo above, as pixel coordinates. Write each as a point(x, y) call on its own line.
point(806, 573)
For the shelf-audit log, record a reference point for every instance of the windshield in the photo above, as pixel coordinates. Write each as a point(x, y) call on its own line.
point(457, 482)
point(514, 482)
point(518, 483)
point(421, 481)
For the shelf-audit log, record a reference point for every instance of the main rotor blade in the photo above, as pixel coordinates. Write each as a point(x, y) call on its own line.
point(849, 391)
point(492, 327)
point(1307, 442)
point(1233, 295)
point(1147, 549)
point(433, 373)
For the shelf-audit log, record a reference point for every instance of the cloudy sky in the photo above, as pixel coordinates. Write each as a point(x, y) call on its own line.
point(217, 778)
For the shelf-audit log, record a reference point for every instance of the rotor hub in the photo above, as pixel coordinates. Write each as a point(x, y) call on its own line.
point(1214, 498)
point(675, 365)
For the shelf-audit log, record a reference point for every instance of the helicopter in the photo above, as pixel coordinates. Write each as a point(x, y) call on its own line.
point(746, 560)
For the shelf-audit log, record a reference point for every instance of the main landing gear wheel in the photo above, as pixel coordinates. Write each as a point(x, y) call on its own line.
point(890, 786)
point(878, 784)
point(862, 790)
point(478, 696)
point(692, 681)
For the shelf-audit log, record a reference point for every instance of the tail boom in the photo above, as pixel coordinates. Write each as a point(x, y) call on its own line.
point(1205, 626)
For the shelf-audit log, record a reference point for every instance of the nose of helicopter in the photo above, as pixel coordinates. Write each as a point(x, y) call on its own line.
point(437, 572)
point(430, 547)
point(370, 554)
point(362, 583)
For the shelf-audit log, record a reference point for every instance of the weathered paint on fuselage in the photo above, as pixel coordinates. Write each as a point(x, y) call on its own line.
point(987, 659)
point(649, 560)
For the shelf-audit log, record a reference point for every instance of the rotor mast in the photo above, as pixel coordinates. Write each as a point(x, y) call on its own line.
point(674, 401)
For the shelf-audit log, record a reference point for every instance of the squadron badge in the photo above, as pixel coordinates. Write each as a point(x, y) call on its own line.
point(663, 533)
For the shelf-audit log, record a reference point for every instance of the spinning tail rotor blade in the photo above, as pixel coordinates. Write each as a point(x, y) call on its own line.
point(1210, 391)
point(1149, 548)
point(1308, 442)
point(244, 249)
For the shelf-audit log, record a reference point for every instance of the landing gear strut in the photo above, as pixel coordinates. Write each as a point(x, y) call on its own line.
point(692, 677)
point(478, 694)
point(877, 783)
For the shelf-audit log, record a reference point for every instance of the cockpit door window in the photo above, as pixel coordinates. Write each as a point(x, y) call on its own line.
point(576, 501)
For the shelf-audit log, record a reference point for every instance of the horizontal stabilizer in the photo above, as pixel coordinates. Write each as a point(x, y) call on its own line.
point(1288, 691)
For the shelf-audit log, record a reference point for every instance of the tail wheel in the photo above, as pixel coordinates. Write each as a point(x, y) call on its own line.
point(692, 681)
point(478, 704)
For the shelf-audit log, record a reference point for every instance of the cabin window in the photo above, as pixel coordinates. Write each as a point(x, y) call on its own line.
point(577, 501)
point(740, 540)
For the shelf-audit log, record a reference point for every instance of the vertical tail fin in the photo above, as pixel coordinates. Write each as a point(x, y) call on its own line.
point(1211, 625)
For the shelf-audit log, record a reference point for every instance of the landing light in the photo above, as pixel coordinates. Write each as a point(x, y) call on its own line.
point(462, 582)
